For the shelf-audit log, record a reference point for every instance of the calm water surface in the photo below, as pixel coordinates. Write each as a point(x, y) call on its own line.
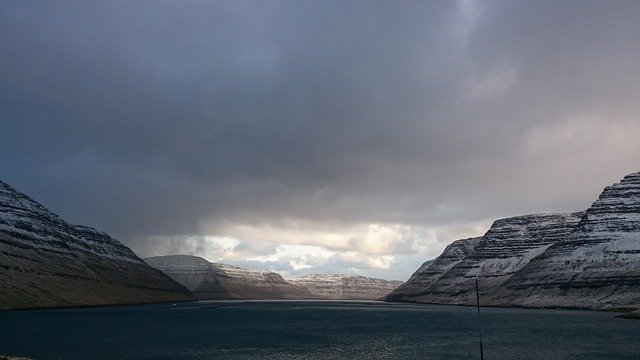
point(314, 330)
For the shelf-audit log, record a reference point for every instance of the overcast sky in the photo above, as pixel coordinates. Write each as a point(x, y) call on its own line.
point(315, 136)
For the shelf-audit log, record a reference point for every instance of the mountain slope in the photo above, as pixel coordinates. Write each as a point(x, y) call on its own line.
point(346, 287)
point(46, 262)
point(508, 245)
point(432, 270)
point(214, 281)
point(588, 259)
point(597, 266)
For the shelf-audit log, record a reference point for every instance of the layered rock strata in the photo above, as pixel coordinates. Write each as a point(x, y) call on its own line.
point(597, 266)
point(346, 287)
point(588, 259)
point(46, 262)
point(214, 281)
point(508, 245)
point(432, 270)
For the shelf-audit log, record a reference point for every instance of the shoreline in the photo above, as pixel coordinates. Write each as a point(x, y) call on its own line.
point(623, 312)
point(67, 307)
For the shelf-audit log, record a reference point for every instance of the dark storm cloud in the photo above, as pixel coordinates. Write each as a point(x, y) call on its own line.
point(158, 118)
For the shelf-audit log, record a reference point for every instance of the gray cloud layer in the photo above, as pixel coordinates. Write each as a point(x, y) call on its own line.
point(169, 119)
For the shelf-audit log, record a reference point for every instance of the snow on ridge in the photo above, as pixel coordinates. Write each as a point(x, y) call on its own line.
point(249, 274)
point(195, 264)
point(178, 262)
point(31, 224)
point(586, 259)
point(339, 277)
point(346, 286)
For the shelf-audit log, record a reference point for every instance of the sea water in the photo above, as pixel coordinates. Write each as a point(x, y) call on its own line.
point(315, 330)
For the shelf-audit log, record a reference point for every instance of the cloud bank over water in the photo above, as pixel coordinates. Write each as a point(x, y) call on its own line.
point(315, 136)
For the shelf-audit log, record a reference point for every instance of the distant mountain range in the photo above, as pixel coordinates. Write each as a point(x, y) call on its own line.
point(345, 287)
point(588, 259)
point(46, 262)
point(215, 281)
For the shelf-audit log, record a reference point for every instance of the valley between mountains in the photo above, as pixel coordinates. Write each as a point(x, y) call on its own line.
point(588, 259)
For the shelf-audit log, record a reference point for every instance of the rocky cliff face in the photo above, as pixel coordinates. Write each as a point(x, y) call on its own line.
point(431, 271)
point(508, 245)
point(214, 281)
point(47, 262)
point(588, 259)
point(597, 266)
point(346, 287)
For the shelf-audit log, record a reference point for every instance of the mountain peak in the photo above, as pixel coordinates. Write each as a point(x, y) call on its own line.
point(216, 281)
point(47, 262)
point(584, 259)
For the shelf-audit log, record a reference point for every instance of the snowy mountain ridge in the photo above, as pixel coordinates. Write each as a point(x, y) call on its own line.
point(588, 259)
point(345, 286)
point(215, 281)
point(46, 262)
point(31, 224)
point(597, 266)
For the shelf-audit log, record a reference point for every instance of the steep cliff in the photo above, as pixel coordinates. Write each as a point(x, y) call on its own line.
point(508, 245)
point(46, 262)
point(346, 287)
point(214, 281)
point(597, 266)
point(588, 259)
point(432, 270)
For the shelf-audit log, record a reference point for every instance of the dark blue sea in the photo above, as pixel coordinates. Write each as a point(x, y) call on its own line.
point(314, 330)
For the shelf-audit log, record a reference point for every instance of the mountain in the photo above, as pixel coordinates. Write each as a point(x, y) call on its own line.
point(214, 281)
point(588, 259)
point(508, 245)
point(46, 262)
point(597, 266)
point(432, 270)
point(346, 287)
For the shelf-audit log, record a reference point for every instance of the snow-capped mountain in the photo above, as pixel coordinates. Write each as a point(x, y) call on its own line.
point(597, 266)
point(45, 262)
point(432, 270)
point(587, 259)
point(508, 245)
point(345, 287)
point(215, 281)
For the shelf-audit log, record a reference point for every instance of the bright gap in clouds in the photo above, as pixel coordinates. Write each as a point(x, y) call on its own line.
point(391, 251)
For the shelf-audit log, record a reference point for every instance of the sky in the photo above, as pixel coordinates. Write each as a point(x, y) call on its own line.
point(315, 136)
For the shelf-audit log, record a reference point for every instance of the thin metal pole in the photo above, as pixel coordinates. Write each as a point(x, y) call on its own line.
point(479, 324)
